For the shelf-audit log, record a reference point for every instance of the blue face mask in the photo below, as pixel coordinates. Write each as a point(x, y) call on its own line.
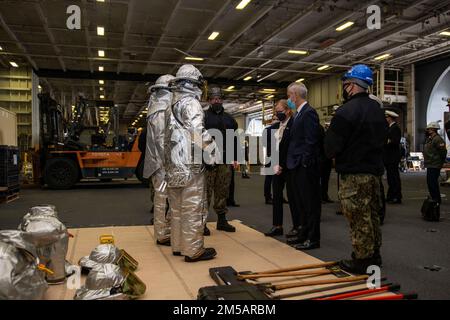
point(291, 105)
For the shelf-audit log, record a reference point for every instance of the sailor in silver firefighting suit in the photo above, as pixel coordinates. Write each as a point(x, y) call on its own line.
point(160, 101)
point(185, 137)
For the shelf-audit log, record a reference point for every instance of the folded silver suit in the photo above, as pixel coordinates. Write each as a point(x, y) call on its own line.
point(159, 103)
point(20, 278)
point(51, 239)
point(185, 135)
point(108, 253)
point(110, 282)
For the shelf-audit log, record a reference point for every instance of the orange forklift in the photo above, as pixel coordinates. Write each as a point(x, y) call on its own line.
point(66, 155)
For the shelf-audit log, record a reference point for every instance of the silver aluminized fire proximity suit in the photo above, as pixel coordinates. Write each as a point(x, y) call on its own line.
point(185, 177)
point(160, 101)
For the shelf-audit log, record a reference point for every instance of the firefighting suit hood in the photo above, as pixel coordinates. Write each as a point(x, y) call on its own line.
point(20, 278)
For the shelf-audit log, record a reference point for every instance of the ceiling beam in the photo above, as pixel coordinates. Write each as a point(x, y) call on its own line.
point(261, 14)
point(138, 77)
point(130, 11)
point(389, 33)
point(205, 29)
point(50, 36)
point(17, 41)
point(284, 27)
point(86, 33)
point(163, 33)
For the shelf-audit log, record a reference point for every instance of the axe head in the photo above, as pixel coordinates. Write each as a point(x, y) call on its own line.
point(224, 276)
point(338, 272)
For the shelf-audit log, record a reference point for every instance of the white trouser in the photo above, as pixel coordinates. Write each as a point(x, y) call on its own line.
point(189, 211)
point(161, 213)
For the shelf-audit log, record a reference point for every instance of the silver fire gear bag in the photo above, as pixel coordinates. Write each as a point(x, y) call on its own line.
point(51, 239)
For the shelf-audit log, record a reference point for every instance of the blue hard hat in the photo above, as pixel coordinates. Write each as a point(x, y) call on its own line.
point(361, 72)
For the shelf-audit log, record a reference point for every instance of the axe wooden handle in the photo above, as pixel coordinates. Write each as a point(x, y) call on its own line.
point(317, 282)
point(284, 274)
point(304, 267)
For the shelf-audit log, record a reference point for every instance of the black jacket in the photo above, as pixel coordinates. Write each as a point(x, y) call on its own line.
point(222, 121)
point(267, 135)
point(304, 139)
point(391, 150)
point(356, 136)
point(284, 144)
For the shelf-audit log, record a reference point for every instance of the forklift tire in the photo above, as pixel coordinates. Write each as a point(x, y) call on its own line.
point(61, 173)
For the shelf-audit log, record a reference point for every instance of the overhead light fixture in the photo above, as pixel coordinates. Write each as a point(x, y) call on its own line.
point(39, 87)
point(300, 80)
point(1, 49)
point(382, 57)
point(102, 96)
point(303, 52)
point(269, 90)
point(213, 35)
point(323, 68)
point(270, 96)
point(12, 63)
point(230, 88)
point(445, 33)
point(100, 31)
point(100, 0)
point(247, 78)
point(243, 4)
point(101, 81)
point(101, 68)
point(194, 59)
point(101, 53)
point(346, 25)
point(101, 89)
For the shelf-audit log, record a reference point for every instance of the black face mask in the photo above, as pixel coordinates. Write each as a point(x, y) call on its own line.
point(345, 94)
point(281, 116)
point(217, 107)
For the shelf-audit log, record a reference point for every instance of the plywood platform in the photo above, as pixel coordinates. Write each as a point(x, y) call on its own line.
point(169, 277)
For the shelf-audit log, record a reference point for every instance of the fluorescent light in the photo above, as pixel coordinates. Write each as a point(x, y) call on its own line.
point(346, 25)
point(12, 63)
point(243, 4)
point(230, 88)
point(1, 49)
point(101, 81)
point(445, 33)
point(194, 59)
point(382, 57)
point(323, 68)
point(100, 0)
point(100, 31)
point(102, 96)
point(269, 90)
point(298, 52)
point(101, 53)
point(101, 68)
point(247, 78)
point(270, 97)
point(300, 80)
point(213, 35)
point(101, 89)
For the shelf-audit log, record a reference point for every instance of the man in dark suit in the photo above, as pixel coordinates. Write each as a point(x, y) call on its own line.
point(391, 159)
point(303, 169)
